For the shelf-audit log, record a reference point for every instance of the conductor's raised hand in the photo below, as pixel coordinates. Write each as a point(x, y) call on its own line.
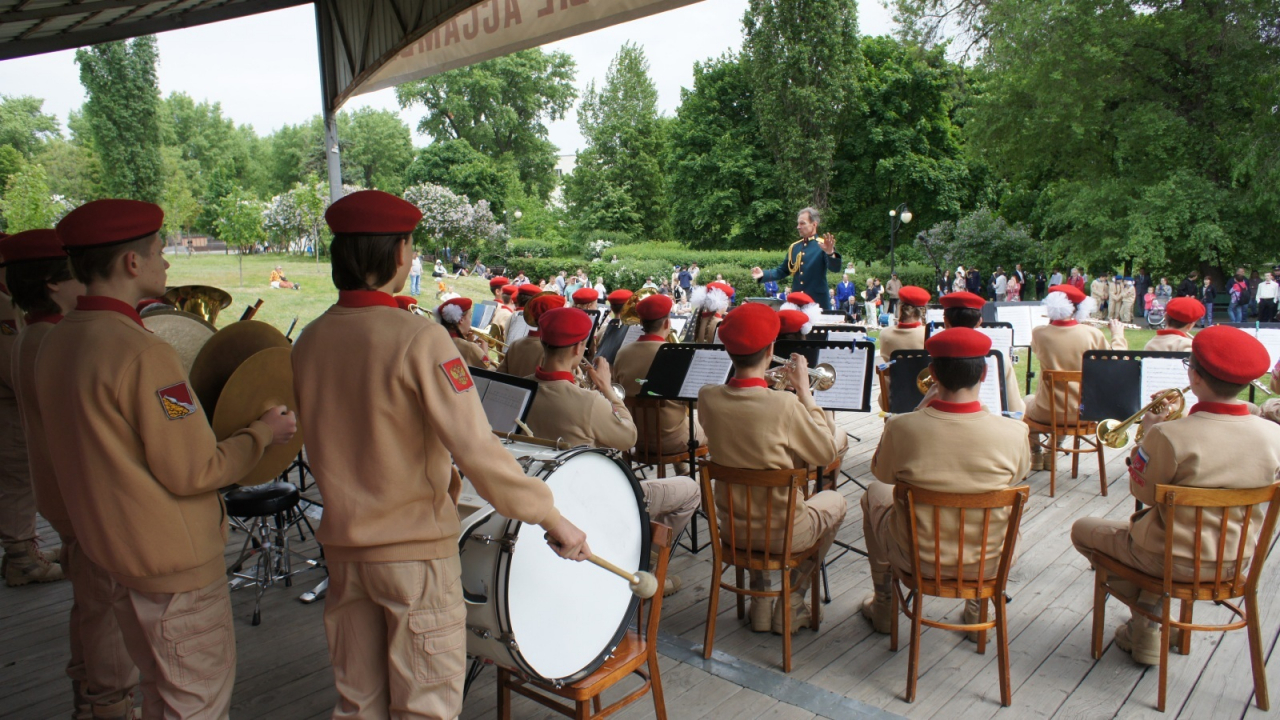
point(756, 273)
point(283, 424)
point(568, 541)
point(828, 243)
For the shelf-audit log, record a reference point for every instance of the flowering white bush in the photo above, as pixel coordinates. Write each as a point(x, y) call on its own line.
point(450, 219)
point(597, 247)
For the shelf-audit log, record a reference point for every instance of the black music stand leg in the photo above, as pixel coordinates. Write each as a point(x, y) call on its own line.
point(693, 546)
point(854, 437)
point(826, 585)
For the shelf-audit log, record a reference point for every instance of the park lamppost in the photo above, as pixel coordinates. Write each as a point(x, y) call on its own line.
point(897, 217)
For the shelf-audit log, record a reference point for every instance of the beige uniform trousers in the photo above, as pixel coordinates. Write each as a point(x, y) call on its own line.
point(826, 510)
point(185, 646)
point(396, 635)
point(17, 496)
point(1112, 538)
point(672, 501)
point(100, 665)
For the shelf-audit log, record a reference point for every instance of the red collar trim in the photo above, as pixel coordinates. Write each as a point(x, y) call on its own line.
point(51, 318)
point(1167, 331)
point(545, 376)
point(454, 334)
point(957, 408)
point(1220, 408)
point(1064, 323)
point(709, 313)
point(99, 302)
point(748, 383)
point(908, 326)
point(535, 332)
point(651, 338)
point(365, 298)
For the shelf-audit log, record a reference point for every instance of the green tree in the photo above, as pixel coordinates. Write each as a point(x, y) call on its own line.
point(240, 224)
point(181, 209)
point(74, 170)
point(500, 107)
point(806, 70)
point(466, 171)
point(208, 142)
point(123, 115)
point(376, 148)
point(618, 182)
point(27, 204)
point(24, 126)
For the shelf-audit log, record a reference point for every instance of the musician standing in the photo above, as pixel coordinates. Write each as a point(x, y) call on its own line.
point(138, 465)
point(750, 426)
point(455, 315)
point(1098, 290)
point(808, 259)
point(1181, 315)
point(1193, 452)
point(387, 401)
point(992, 452)
point(524, 355)
point(596, 417)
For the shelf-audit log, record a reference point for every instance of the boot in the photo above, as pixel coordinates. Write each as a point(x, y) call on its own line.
point(1037, 460)
point(801, 613)
point(122, 710)
point(26, 564)
point(878, 607)
point(681, 468)
point(1141, 639)
point(760, 609)
point(672, 584)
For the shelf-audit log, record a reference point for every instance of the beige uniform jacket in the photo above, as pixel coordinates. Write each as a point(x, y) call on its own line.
point(388, 404)
point(1098, 289)
point(952, 452)
point(1169, 341)
point(1062, 347)
point(470, 352)
point(137, 463)
point(501, 317)
point(48, 496)
point(1196, 451)
point(632, 364)
point(756, 428)
point(522, 358)
point(898, 338)
point(563, 411)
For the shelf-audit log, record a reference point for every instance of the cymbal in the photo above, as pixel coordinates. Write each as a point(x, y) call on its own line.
point(225, 352)
point(187, 333)
point(262, 381)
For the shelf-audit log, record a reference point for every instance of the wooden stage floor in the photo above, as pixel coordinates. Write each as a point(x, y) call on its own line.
point(845, 670)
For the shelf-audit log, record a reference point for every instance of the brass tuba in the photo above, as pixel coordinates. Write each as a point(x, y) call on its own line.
point(924, 381)
point(1115, 433)
point(629, 316)
point(201, 300)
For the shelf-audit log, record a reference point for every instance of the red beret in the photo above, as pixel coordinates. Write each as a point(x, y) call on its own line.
point(912, 295)
point(654, 307)
point(618, 297)
point(1180, 309)
point(585, 295)
point(564, 326)
point(795, 298)
point(497, 281)
point(529, 289)
point(372, 212)
point(791, 321)
point(958, 343)
point(542, 304)
point(1230, 354)
point(963, 300)
point(462, 302)
point(510, 290)
point(1073, 293)
point(109, 222)
point(749, 328)
point(725, 288)
point(31, 245)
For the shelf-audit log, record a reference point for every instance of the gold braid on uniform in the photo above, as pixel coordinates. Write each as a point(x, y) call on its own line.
point(793, 262)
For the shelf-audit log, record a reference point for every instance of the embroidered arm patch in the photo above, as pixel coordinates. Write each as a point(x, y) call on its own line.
point(176, 401)
point(1137, 465)
point(459, 377)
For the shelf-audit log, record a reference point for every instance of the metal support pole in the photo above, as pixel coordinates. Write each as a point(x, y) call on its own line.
point(333, 158)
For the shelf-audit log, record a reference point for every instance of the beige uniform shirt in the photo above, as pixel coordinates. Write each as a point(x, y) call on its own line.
point(522, 358)
point(1098, 290)
point(137, 463)
point(501, 317)
point(756, 428)
point(563, 411)
point(387, 404)
point(1062, 347)
point(632, 364)
point(48, 496)
point(1196, 451)
point(470, 352)
point(1169, 341)
point(898, 338)
point(953, 452)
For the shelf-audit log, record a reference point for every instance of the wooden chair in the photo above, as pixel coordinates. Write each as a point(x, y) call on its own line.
point(1067, 423)
point(1221, 590)
point(636, 654)
point(980, 588)
point(647, 414)
point(728, 547)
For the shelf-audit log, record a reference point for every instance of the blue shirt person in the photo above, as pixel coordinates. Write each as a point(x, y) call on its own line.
point(844, 291)
point(808, 260)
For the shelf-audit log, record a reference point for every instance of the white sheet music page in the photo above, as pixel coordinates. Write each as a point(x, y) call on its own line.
point(1270, 339)
point(677, 325)
point(1001, 340)
point(1162, 374)
point(851, 370)
point(934, 315)
point(846, 336)
point(989, 390)
point(830, 319)
point(503, 405)
point(708, 367)
point(1019, 317)
point(1039, 316)
point(633, 334)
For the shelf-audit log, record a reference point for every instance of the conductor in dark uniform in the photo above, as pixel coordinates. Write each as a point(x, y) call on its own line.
point(808, 261)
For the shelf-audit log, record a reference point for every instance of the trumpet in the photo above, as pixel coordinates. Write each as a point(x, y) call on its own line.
point(584, 380)
point(1115, 433)
point(821, 377)
point(924, 381)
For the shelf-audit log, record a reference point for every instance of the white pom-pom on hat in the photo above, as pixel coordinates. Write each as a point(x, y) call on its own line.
point(1058, 307)
point(450, 314)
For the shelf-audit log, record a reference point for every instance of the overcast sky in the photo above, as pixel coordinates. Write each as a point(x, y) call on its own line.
point(265, 72)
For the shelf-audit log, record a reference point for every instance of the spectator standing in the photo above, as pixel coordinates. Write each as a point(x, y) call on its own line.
point(1189, 287)
point(1237, 296)
point(674, 282)
point(960, 283)
point(892, 289)
point(973, 281)
point(943, 285)
point(650, 283)
point(693, 272)
point(614, 260)
point(1000, 283)
point(1076, 280)
point(1268, 296)
point(1013, 289)
point(771, 289)
point(1022, 276)
point(1141, 283)
point(1041, 282)
point(601, 292)
point(685, 278)
point(845, 292)
point(1055, 278)
point(1254, 281)
point(1164, 292)
point(415, 275)
point(560, 282)
point(1207, 296)
point(871, 297)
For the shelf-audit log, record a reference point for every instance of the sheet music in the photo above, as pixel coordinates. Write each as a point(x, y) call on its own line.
point(1270, 339)
point(1161, 374)
point(708, 367)
point(633, 334)
point(934, 315)
point(1020, 318)
point(1001, 341)
point(830, 319)
point(989, 390)
point(851, 369)
point(1039, 318)
point(677, 325)
point(517, 329)
point(846, 336)
point(482, 314)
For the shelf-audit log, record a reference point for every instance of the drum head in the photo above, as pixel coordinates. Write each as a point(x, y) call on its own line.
point(187, 333)
point(566, 615)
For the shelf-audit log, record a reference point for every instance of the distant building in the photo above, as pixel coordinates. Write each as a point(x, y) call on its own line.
point(565, 164)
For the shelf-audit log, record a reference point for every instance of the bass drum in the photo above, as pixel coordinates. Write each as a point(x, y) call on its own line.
point(534, 612)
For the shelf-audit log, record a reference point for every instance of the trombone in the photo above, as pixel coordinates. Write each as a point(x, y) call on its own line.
point(821, 377)
point(1115, 433)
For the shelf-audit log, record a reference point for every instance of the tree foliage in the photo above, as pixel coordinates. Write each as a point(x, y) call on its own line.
point(980, 238)
point(123, 116)
point(240, 223)
point(451, 220)
point(24, 126)
point(466, 171)
point(27, 203)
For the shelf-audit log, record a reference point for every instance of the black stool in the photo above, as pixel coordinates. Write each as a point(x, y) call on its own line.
point(266, 513)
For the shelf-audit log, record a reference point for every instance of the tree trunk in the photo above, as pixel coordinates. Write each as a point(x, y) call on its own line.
point(240, 257)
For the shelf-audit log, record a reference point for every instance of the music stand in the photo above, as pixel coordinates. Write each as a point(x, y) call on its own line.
point(906, 365)
point(506, 399)
point(1117, 383)
point(772, 302)
point(482, 314)
point(617, 336)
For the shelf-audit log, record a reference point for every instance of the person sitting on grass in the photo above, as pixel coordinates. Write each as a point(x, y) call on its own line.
point(280, 282)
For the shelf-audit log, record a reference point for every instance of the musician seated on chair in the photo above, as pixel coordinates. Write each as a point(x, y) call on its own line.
point(1195, 451)
point(388, 403)
point(752, 427)
point(956, 446)
point(964, 309)
point(632, 364)
point(524, 355)
point(455, 315)
point(1061, 345)
point(908, 333)
point(709, 304)
point(794, 324)
point(502, 314)
point(1181, 315)
point(596, 417)
point(584, 298)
